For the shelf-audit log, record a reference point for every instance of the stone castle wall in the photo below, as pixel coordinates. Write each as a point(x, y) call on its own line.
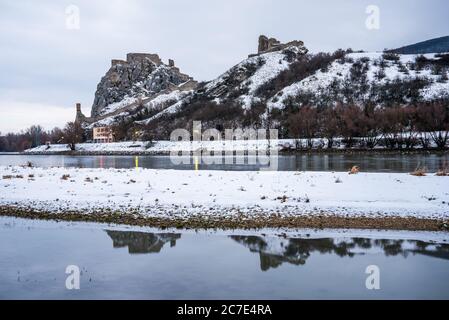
point(138, 57)
point(267, 45)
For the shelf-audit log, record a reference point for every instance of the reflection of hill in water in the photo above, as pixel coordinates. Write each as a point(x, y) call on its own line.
point(142, 242)
point(274, 251)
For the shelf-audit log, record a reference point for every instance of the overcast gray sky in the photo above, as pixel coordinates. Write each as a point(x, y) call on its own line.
point(47, 67)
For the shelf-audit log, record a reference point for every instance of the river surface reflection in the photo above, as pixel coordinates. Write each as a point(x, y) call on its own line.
point(298, 162)
point(125, 264)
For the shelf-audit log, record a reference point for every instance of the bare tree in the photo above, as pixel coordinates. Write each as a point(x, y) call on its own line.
point(36, 135)
point(304, 124)
point(434, 119)
point(73, 134)
point(392, 127)
point(56, 135)
point(369, 126)
point(409, 118)
point(348, 122)
point(422, 125)
point(329, 125)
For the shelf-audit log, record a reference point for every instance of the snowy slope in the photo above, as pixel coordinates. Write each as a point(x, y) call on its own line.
point(157, 102)
point(267, 65)
point(321, 81)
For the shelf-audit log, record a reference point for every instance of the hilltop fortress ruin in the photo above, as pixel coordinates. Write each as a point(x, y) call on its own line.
point(272, 44)
point(133, 58)
point(141, 75)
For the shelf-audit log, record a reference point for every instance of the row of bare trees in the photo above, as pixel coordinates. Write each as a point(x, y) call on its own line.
point(36, 136)
point(425, 125)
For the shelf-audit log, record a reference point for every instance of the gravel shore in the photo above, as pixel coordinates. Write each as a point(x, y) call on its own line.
point(241, 222)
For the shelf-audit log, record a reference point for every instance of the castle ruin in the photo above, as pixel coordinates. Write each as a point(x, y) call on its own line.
point(80, 117)
point(267, 45)
point(173, 79)
point(137, 57)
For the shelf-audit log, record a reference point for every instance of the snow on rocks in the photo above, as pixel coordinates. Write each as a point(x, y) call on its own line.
point(181, 194)
point(119, 105)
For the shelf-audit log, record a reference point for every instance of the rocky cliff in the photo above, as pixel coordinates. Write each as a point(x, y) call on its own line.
point(139, 76)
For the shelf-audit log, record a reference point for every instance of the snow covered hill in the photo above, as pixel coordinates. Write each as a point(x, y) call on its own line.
point(369, 76)
point(270, 82)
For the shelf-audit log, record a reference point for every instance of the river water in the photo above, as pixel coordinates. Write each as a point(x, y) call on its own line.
point(317, 162)
point(123, 263)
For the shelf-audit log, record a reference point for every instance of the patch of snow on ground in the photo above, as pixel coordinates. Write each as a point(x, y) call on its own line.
point(173, 193)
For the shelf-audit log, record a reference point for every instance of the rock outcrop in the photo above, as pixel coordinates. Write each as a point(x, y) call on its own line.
point(140, 75)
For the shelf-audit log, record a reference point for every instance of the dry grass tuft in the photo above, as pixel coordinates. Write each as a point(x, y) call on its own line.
point(19, 176)
point(419, 172)
point(354, 170)
point(444, 172)
point(28, 164)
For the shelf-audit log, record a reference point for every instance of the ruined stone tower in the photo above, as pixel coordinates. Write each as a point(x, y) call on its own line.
point(80, 117)
point(79, 114)
point(266, 45)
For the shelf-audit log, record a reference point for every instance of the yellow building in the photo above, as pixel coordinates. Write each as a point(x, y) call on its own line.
point(102, 135)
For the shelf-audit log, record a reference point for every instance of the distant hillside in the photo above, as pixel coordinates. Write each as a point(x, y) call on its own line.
point(437, 45)
point(264, 89)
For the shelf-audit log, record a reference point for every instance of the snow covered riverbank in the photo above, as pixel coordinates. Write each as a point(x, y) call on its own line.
point(162, 147)
point(165, 147)
point(174, 195)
